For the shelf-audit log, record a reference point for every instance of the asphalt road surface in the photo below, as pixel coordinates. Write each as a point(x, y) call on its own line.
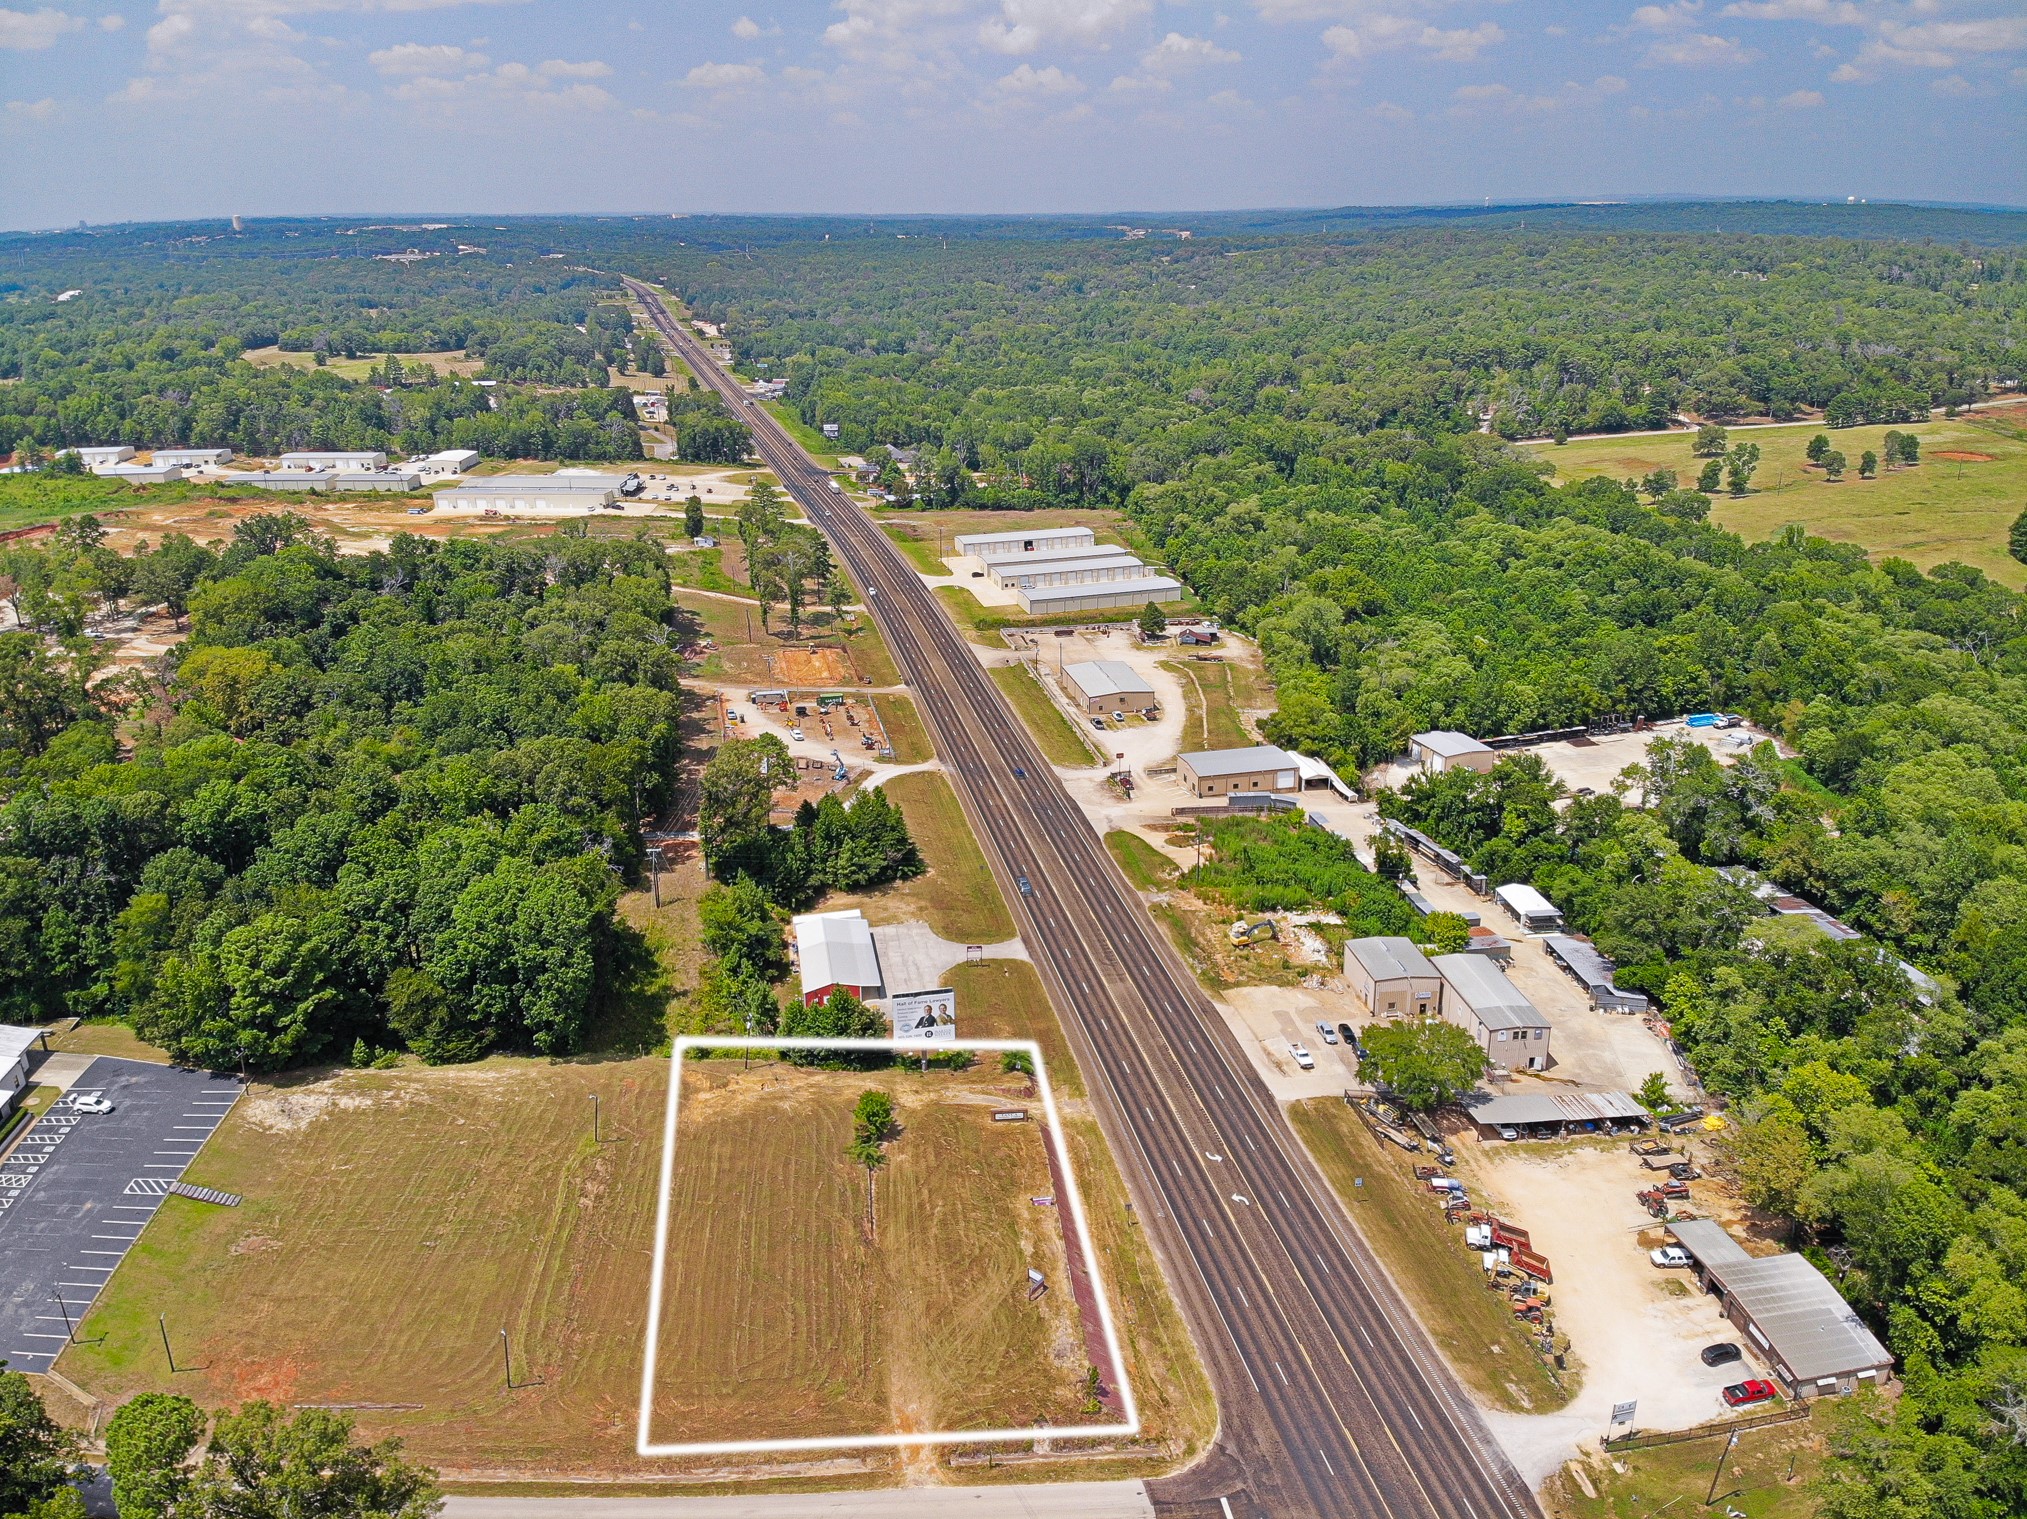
point(1332, 1402)
point(1065, 1500)
point(77, 1190)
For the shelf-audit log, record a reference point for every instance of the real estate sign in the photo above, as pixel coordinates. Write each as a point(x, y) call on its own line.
point(924, 1015)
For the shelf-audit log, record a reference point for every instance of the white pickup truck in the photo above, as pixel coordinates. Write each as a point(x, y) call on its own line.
point(1302, 1057)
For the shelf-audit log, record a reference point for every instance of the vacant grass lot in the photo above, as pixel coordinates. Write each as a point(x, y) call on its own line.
point(905, 732)
point(958, 897)
point(1060, 743)
point(1940, 510)
point(394, 1223)
point(449, 361)
point(1441, 1279)
point(1145, 866)
point(1211, 691)
point(925, 1324)
point(1767, 1476)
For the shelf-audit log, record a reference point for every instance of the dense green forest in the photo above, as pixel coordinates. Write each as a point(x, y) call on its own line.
point(376, 802)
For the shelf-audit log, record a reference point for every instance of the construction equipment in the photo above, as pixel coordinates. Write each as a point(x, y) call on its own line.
point(1684, 1171)
point(1254, 932)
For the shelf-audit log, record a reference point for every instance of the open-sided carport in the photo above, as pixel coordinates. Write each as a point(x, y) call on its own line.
point(78, 1189)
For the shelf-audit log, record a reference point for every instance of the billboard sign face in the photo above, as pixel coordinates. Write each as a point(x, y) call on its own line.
point(929, 1016)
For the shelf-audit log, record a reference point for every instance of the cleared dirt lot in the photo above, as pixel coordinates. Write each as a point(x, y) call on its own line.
point(785, 1317)
point(1636, 1329)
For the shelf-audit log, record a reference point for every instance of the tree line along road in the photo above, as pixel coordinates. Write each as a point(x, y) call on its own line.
point(1332, 1402)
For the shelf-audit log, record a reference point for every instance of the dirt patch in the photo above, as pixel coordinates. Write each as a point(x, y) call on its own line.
point(1962, 456)
point(811, 667)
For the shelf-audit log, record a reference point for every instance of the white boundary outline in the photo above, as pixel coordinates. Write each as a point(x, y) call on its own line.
point(646, 1447)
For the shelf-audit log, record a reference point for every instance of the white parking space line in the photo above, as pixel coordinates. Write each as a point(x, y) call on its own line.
point(30, 1335)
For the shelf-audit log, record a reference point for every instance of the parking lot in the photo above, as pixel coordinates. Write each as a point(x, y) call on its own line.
point(78, 1189)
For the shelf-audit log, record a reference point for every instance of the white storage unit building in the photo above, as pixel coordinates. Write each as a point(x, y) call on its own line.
point(531, 493)
point(449, 461)
point(1034, 540)
point(1033, 569)
point(141, 474)
point(1394, 977)
point(1101, 685)
point(1479, 999)
point(1529, 908)
point(396, 479)
point(333, 459)
point(16, 1043)
point(1098, 596)
point(192, 458)
point(97, 455)
point(285, 479)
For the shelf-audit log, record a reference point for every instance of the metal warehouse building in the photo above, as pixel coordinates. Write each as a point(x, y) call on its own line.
point(1098, 596)
point(365, 458)
point(1394, 977)
point(531, 493)
point(192, 458)
point(1444, 749)
point(1228, 772)
point(1812, 1339)
point(1105, 562)
point(1037, 540)
point(1479, 999)
point(835, 949)
point(1100, 685)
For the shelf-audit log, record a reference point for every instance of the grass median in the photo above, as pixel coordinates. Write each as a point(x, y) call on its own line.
point(1440, 1278)
point(1060, 743)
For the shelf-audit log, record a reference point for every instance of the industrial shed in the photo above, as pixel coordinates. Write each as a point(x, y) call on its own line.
point(362, 458)
point(1545, 1115)
point(15, 1044)
point(1591, 968)
point(397, 479)
point(95, 456)
point(285, 479)
point(157, 473)
point(1443, 749)
point(1101, 685)
point(1529, 908)
point(1394, 977)
point(1098, 596)
point(192, 458)
point(1101, 563)
point(835, 949)
point(1030, 541)
point(1813, 1341)
point(1479, 999)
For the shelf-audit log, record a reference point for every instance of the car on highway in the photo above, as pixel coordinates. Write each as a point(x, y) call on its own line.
point(1745, 1394)
point(796, 734)
point(1721, 1354)
point(1329, 1034)
point(1302, 1057)
point(90, 1102)
point(1669, 1257)
point(1026, 886)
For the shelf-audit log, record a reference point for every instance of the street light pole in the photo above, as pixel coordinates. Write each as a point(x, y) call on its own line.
point(69, 1329)
point(594, 1117)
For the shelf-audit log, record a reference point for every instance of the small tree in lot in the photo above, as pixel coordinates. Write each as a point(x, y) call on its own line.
point(1710, 441)
point(1711, 478)
point(1833, 465)
point(1423, 1064)
point(1153, 623)
point(1868, 465)
point(1448, 932)
point(1653, 1094)
point(693, 515)
point(1820, 445)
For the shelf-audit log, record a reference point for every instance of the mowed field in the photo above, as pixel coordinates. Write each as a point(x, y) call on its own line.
point(784, 1318)
point(394, 1223)
point(1945, 508)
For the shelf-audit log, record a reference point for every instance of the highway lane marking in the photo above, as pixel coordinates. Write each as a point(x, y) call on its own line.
point(1326, 1464)
point(1284, 1378)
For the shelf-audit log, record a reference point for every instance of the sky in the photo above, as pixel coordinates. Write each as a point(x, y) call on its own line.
point(185, 108)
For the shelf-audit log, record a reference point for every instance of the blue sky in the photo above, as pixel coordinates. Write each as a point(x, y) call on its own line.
point(263, 107)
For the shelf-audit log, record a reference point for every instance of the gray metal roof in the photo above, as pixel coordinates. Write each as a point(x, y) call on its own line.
point(1589, 964)
point(16, 1041)
point(493, 485)
point(1811, 1330)
point(1030, 535)
point(1238, 761)
point(1449, 743)
point(1563, 1107)
point(1108, 677)
point(1150, 588)
point(1391, 958)
point(1494, 1001)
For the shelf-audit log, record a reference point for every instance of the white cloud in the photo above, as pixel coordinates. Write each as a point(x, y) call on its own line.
point(724, 76)
point(591, 68)
point(1029, 82)
point(1176, 54)
point(112, 22)
point(1473, 98)
point(891, 32)
point(1384, 34)
point(30, 31)
point(746, 28)
point(1823, 12)
point(34, 110)
point(1800, 100)
point(1024, 25)
point(1699, 50)
point(553, 85)
point(425, 58)
point(1387, 110)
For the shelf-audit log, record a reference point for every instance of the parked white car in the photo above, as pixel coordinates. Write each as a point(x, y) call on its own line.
point(90, 1102)
point(796, 734)
point(1302, 1057)
point(1669, 1256)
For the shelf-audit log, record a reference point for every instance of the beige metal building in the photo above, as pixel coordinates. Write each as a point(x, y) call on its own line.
point(1394, 977)
point(1233, 772)
point(1443, 749)
point(1029, 541)
point(1479, 999)
point(1098, 686)
point(531, 493)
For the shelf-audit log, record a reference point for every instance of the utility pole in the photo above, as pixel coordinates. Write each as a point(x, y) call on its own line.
point(161, 1323)
point(507, 1359)
point(1711, 1496)
point(69, 1329)
point(594, 1118)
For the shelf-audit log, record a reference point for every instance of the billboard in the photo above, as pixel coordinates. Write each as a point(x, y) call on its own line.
point(924, 1015)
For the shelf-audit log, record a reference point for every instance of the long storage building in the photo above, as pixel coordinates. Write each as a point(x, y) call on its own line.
point(1026, 542)
point(1479, 999)
point(530, 493)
